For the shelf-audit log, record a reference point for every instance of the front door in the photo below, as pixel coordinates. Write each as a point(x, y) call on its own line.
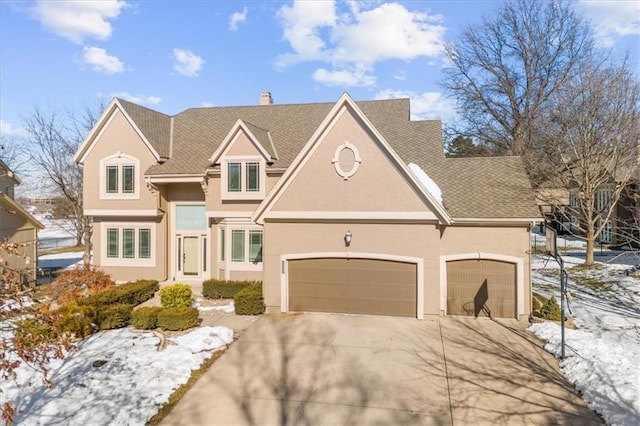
point(190, 256)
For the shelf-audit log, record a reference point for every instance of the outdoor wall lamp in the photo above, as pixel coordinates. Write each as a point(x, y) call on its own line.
point(347, 238)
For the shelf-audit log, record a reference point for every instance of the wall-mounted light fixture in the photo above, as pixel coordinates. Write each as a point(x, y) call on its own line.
point(347, 238)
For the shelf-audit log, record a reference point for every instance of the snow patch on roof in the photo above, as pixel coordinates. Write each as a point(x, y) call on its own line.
point(426, 181)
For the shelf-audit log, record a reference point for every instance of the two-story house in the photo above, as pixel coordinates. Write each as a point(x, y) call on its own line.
point(16, 226)
point(336, 207)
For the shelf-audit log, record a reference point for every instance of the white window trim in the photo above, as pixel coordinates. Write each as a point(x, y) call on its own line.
point(119, 159)
point(173, 249)
point(227, 265)
point(134, 262)
point(243, 194)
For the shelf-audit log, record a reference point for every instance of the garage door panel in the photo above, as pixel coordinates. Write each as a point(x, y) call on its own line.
point(359, 286)
point(481, 288)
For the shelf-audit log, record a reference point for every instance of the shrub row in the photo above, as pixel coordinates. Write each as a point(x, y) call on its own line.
point(249, 301)
point(173, 319)
point(132, 293)
point(222, 289)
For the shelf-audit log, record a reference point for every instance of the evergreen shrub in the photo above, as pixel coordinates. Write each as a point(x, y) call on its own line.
point(178, 318)
point(145, 318)
point(550, 310)
point(223, 289)
point(176, 295)
point(249, 301)
point(113, 316)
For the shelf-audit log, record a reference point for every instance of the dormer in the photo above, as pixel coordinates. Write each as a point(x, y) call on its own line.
point(243, 157)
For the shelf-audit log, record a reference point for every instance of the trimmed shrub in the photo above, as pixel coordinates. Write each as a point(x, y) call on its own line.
point(76, 319)
point(176, 295)
point(178, 318)
point(222, 289)
point(75, 284)
point(132, 293)
point(249, 301)
point(113, 316)
point(145, 318)
point(550, 310)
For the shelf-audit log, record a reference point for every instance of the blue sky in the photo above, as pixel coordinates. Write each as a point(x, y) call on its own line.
point(173, 55)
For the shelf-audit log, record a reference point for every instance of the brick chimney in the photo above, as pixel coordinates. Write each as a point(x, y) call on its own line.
point(266, 99)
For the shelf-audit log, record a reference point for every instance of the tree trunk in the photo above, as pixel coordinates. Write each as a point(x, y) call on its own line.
point(591, 240)
point(86, 233)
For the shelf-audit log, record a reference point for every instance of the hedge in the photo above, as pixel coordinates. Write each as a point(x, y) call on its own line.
point(222, 289)
point(113, 316)
point(249, 301)
point(132, 293)
point(145, 318)
point(180, 318)
point(176, 295)
point(76, 319)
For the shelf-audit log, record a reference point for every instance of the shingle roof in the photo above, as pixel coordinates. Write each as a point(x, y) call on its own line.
point(490, 187)
point(153, 124)
point(486, 187)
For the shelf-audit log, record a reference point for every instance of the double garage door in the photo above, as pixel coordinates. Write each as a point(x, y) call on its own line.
point(381, 287)
point(354, 286)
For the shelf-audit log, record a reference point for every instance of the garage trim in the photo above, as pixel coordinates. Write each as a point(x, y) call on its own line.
point(284, 272)
point(483, 256)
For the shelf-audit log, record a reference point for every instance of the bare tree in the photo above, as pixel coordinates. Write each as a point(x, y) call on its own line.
point(592, 140)
point(504, 71)
point(54, 137)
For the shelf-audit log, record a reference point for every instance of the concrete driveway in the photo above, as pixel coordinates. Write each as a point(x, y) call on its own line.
point(340, 369)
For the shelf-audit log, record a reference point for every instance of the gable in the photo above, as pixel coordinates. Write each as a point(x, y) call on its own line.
point(113, 112)
point(348, 171)
point(244, 140)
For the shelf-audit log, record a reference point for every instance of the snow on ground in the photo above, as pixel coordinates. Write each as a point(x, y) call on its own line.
point(602, 357)
point(128, 389)
point(56, 233)
point(229, 308)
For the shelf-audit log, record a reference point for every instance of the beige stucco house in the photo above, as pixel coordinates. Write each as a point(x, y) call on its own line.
point(337, 207)
point(19, 227)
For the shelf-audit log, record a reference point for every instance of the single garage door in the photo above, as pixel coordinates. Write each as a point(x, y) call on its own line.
point(479, 287)
point(353, 286)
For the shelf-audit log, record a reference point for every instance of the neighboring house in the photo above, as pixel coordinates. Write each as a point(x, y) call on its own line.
point(319, 201)
point(17, 226)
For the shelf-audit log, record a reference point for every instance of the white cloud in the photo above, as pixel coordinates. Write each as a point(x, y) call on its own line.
point(355, 37)
point(7, 129)
point(77, 20)
point(136, 99)
point(187, 62)
point(237, 18)
point(102, 61)
point(612, 19)
point(343, 78)
point(427, 105)
point(301, 25)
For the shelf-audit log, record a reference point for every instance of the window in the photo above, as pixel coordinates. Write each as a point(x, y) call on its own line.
point(245, 246)
point(255, 246)
point(253, 177)
point(222, 244)
point(118, 176)
point(235, 177)
point(130, 243)
point(237, 246)
point(603, 199)
point(243, 178)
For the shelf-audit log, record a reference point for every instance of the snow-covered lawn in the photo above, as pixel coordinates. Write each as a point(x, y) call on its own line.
point(115, 377)
point(603, 354)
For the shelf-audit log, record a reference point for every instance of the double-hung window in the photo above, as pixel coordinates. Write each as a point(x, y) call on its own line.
point(118, 176)
point(244, 245)
point(127, 244)
point(243, 179)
